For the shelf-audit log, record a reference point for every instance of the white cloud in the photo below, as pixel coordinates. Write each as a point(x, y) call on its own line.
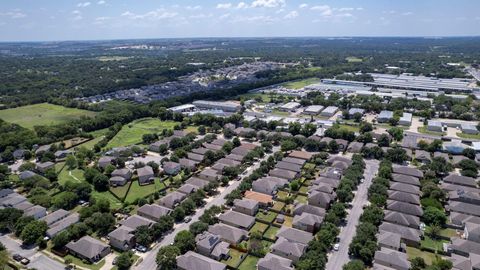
point(291, 15)
point(193, 7)
point(13, 14)
point(83, 4)
point(224, 5)
point(101, 2)
point(157, 14)
point(242, 5)
point(325, 10)
point(268, 3)
point(77, 15)
point(408, 13)
point(346, 9)
point(201, 16)
point(303, 5)
point(255, 19)
point(280, 11)
point(359, 8)
point(224, 16)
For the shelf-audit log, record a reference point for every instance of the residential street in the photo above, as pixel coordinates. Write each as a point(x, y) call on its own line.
point(149, 257)
point(37, 259)
point(338, 258)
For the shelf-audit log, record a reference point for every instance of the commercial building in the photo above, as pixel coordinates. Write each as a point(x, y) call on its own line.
point(313, 110)
point(406, 119)
point(384, 116)
point(435, 126)
point(290, 106)
point(329, 111)
point(182, 108)
point(218, 105)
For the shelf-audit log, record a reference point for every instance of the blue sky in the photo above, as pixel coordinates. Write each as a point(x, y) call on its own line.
point(29, 20)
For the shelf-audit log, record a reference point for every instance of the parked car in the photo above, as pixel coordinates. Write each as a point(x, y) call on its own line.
point(187, 219)
point(141, 248)
point(17, 257)
point(336, 247)
point(25, 261)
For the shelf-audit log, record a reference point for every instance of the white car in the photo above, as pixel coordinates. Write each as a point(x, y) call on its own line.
point(336, 247)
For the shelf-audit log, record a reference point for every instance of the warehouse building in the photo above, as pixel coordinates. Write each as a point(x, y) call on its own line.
point(384, 116)
point(406, 119)
point(313, 110)
point(218, 105)
point(329, 111)
point(435, 126)
point(290, 107)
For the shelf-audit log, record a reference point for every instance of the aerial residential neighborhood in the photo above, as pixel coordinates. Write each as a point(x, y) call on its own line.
point(240, 135)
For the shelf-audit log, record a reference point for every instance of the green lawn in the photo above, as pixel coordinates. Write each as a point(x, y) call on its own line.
point(265, 97)
point(137, 191)
point(427, 256)
point(80, 263)
point(424, 130)
point(282, 195)
point(271, 233)
point(90, 144)
point(235, 258)
point(278, 206)
point(468, 136)
point(288, 221)
point(303, 190)
point(132, 133)
point(75, 175)
point(260, 227)
point(114, 202)
point(350, 128)
point(301, 83)
point(269, 217)
point(250, 263)
point(59, 166)
point(301, 199)
point(430, 243)
point(42, 114)
point(280, 113)
point(121, 191)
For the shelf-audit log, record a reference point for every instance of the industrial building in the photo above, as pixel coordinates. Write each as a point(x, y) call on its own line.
point(290, 107)
point(182, 108)
point(409, 82)
point(329, 111)
point(469, 129)
point(435, 126)
point(384, 116)
point(353, 111)
point(218, 105)
point(313, 110)
point(406, 119)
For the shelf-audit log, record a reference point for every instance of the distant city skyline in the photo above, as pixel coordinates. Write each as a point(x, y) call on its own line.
point(29, 20)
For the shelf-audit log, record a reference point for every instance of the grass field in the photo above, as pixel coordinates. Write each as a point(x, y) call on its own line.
point(269, 217)
point(350, 128)
point(235, 258)
point(301, 83)
point(120, 191)
point(132, 133)
point(74, 175)
point(430, 243)
point(259, 227)
point(427, 256)
point(271, 233)
point(114, 202)
point(42, 114)
point(301, 199)
point(353, 59)
point(136, 191)
point(80, 263)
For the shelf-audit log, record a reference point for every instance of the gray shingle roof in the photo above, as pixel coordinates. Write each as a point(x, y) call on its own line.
point(236, 218)
point(87, 246)
point(295, 235)
point(274, 262)
point(195, 261)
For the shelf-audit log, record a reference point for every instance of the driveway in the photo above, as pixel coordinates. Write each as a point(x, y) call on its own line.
point(338, 258)
point(37, 259)
point(149, 257)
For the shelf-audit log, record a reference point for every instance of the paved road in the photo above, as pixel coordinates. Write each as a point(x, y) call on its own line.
point(149, 258)
point(37, 259)
point(338, 258)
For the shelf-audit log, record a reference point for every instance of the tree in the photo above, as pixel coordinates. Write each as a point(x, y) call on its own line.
point(90, 174)
point(354, 265)
point(202, 130)
point(51, 175)
point(198, 227)
point(469, 168)
point(21, 223)
point(102, 223)
point(294, 185)
point(365, 127)
point(288, 145)
point(65, 200)
point(33, 232)
point(236, 142)
point(418, 263)
point(143, 236)
point(100, 182)
point(434, 216)
point(396, 132)
point(434, 231)
point(440, 166)
point(383, 140)
point(8, 218)
point(124, 260)
point(178, 213)
point(333, 146)
point(167, 257)
point(469, 153)
point(61, 239)
point(185, 241)
point(71, 162)
point(397, 155)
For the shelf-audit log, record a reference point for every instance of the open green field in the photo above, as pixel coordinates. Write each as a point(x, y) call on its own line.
point(114, 202)
point(424, 130)
point(301, 83)
point(265, 97)
point(353, 59)
point(74, 175)
point(42, 114)
point(132, 133)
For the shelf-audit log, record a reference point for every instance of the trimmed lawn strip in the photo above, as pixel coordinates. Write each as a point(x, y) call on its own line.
point(260, 227)
point(424, 130)
point(430, 243)
point(427, 256)
point(269, 217)
point(249, 263)
point(80, 263)
point(301, 199)
point(271, 233)
point(278, 206)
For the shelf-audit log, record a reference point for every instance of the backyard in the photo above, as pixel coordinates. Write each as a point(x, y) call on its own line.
point(271, 233)
point(249, 263)
point(268, 217)
point(137, 191)
point(235, 258)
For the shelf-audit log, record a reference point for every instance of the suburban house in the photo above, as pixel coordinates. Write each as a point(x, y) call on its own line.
point(389, 240)
point(228, 233)
point(307, 222)
point(295, 235)
point(246, 206)
point(320, 199)
point(43, 167)
point(195, 261)
point(237, 219)
point(274, 262)
point(392, 258)
point(122, 238)
point(268, 185)
point(285, 174)
point(172, 199)
point(60, 224)
point(145, 175)
point(289, 250)
point(153, 211)
point(212, 246)
point(88, 248)
point(105, 161)
point(125, 173)
point(186, 163)
point(171, 168)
